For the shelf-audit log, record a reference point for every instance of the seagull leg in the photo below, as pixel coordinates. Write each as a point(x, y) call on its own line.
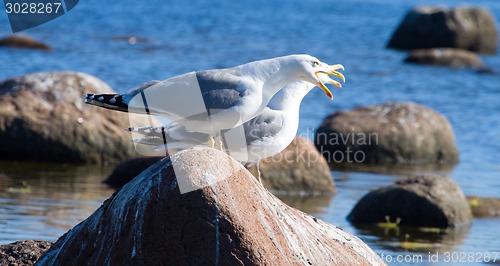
point(254, 169)
point(258, 172)
point(219, 143)
point(211, 141)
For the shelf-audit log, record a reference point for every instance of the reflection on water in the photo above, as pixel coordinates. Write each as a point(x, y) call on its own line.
point(402, 238)
point(42, 201)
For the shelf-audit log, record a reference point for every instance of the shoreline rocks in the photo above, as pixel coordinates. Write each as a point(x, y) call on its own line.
point(390, 133)
point(25, 252)
point(43, 118)
point(231, 222)
point(464, 27)
point(420, 201)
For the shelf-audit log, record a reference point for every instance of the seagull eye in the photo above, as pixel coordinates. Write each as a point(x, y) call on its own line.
point(315, 63)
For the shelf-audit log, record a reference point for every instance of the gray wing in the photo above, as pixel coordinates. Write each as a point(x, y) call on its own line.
point(220, 88)
point(267, 124)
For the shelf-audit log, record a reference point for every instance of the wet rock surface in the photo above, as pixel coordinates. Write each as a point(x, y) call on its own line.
point(233, 222)
point(25, 252)
point(43, 118)
point(389, 133)
point(465, 27)
point(419, 201)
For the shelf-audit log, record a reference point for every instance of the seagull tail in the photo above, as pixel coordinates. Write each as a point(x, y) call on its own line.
point(109, 101)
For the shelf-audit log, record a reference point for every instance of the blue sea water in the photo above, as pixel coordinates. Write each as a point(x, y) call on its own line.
point(195, 35)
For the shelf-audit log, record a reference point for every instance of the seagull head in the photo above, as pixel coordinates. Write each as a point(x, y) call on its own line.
point(310, 69)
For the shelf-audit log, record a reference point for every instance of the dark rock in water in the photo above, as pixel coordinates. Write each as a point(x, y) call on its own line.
point(450, 57)
point(43, 118)
point(466, 27)
point(25, 252)
point(419, 201)
point(300, 168)
point(23, 41)
point(484, 207)
point(394, 132)
point(127, 170)
point(233, 222)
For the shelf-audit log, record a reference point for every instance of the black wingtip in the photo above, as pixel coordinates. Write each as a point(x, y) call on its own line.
point(109, 101)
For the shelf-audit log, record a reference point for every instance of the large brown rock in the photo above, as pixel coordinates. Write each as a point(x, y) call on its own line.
point(394, 132)
point(25, 252)
point(43, 118)
point(232, 222)
point(449, 57)
point(298, 169)
point(466, 27)
point(23, 41)
point(419, 201)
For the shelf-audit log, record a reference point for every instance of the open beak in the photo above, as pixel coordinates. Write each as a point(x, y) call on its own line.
point(323, 77)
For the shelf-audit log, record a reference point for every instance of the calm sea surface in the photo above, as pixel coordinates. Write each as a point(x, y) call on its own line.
point(180, 37)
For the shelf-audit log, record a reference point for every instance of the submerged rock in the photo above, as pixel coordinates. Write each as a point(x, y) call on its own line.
point(25, 252)
point(23, 41)
point(394, 132)
point(466, 27)
point(128, 170)
point(450, 57)
point(233, 222)
point(484, 207)
point(419, 201)
point(300, 168)
point(43, 118)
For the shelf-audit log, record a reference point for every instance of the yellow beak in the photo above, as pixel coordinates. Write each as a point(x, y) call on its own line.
point(326, 79)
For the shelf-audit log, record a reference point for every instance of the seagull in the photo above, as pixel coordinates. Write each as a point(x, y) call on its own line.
point(265, 135)
point(209, 101)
